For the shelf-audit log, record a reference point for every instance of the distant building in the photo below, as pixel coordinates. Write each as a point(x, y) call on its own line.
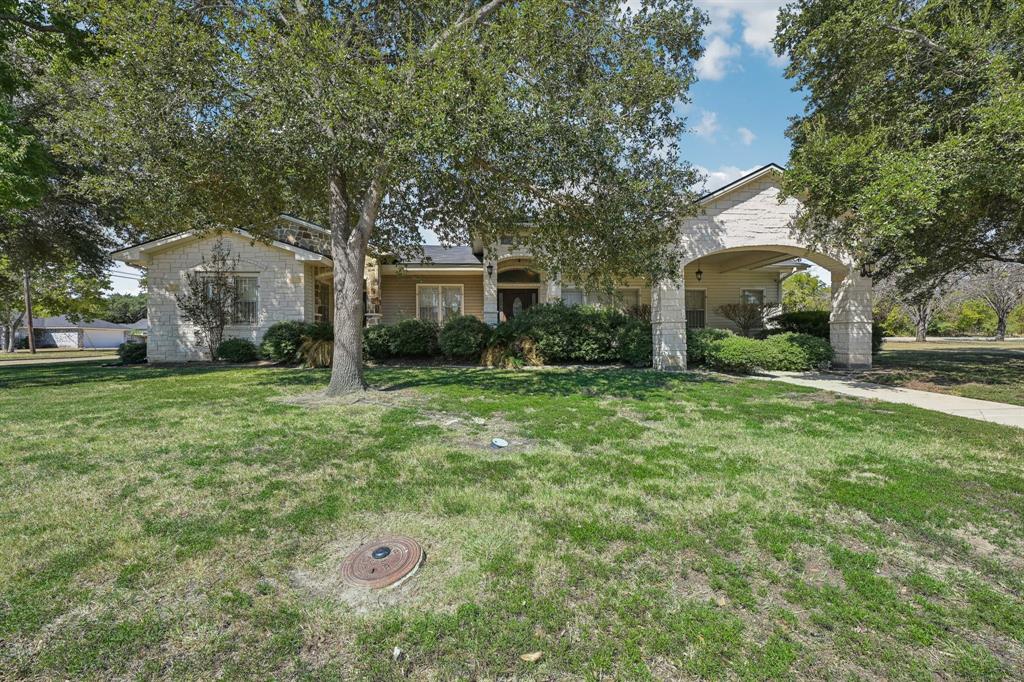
point(60, 332)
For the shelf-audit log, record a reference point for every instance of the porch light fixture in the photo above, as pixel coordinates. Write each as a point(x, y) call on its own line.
point(490, 269)
point(699, 273)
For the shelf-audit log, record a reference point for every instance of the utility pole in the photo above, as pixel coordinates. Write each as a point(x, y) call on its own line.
point(28, 314)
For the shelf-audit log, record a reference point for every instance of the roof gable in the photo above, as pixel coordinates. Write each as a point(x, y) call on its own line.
point(753, 176)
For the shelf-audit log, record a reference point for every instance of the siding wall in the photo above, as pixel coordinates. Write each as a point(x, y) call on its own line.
point(722, 288)
point(281, 283)
point(398, 293)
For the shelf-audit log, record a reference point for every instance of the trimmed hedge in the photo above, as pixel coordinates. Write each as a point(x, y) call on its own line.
point(779, 352)
point(282, 340)
point(237, 351)
point(414, 339)
point(698, 341)
point(812, 322)
point(554, 333)
point(377, 342)
point(464, 338)
point(132, 352)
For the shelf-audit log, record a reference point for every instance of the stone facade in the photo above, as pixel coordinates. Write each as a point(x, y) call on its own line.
point(282, 285)
point(306, 237)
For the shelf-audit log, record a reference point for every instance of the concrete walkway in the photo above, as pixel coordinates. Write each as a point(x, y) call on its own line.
point(983, 410)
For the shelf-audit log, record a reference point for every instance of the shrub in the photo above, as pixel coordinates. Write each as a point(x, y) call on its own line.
point(464, 337)
point(698, 340)
point(560, 334)
point(317, 348)
point(634, 343)
point(414, 338)
point(748, 317)
point(132, 352)
point(281, 342)
point(237, 350)
point(787, 351)
point(812, 322)
point(377, 342)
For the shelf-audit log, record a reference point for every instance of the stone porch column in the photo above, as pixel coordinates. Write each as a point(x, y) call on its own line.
point(850, 322)
point(490, 290)
point(668, 325)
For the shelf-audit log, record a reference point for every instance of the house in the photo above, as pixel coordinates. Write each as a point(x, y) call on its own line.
point(60, 332)
point(738, 248)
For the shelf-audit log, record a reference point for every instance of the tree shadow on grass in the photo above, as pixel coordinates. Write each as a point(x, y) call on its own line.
point(637, 384)
point(71, 374)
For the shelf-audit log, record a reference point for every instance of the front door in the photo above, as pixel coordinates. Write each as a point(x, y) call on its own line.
point(511, 302)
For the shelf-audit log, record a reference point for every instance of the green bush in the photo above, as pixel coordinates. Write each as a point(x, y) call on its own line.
point(317, 348)
point(464, 338)
point(281, 342)
point(634, 342)
point(698, 340)
point(132, 352)
point(377, 342)
point(414, 339)
point(812, 322)
point(780, 352)
point(556, 333)
point(237, 350)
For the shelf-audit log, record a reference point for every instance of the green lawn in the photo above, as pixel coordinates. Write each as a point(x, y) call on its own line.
point(58, 353)
point(986, 370)
point(190, 523)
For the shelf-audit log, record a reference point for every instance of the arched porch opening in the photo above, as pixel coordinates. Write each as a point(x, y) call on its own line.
point(754, 273)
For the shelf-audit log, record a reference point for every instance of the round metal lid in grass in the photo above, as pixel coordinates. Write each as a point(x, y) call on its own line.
point(384, 562)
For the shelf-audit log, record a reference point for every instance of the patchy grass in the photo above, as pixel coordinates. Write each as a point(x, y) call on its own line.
point(986, 370)
point(189, 522)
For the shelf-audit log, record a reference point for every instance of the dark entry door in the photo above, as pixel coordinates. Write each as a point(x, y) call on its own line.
point(514, 301)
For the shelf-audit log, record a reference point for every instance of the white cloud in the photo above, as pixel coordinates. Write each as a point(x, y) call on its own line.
point(746, 136)
point(708, 125)
point(758, 19)
point(722, 176)
point(714, 63)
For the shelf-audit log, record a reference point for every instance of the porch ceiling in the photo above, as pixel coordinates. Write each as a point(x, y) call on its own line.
point(743, 260)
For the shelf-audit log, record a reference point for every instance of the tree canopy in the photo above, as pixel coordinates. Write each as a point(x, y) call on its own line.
point(382, 118)
point(910, 152)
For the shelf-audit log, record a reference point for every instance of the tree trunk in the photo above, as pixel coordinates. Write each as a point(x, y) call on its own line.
point(922, 328)
point(1001, 328)
point(348, 250)
point(28, 314)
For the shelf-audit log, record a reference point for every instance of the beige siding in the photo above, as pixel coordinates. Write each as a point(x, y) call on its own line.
point(722, 288)
point(398, 293)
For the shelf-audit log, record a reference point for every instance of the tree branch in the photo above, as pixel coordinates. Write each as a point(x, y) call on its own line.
point(465, 20)
point(42, 28)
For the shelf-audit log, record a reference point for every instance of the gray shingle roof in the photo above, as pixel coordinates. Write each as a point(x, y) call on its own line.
point(62, 322)
point(442, 255)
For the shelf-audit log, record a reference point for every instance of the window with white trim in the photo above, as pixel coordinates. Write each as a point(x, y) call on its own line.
point(247, 297)
point(438, 302)
point(752, 296)
point(623, 299)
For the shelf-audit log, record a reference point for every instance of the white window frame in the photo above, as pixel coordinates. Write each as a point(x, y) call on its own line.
point(462, 297)
point(764, 292)
point(234, 276)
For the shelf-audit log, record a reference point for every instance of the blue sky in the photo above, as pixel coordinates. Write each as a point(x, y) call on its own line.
point(742, 102)
point(739, 108)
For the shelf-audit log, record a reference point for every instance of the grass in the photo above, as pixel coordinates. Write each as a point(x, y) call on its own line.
point(189, 523)
point(986, 370)
point(57, 353)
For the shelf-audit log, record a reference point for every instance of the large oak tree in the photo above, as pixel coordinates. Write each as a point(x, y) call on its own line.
point(379, 118)
point(911, 151)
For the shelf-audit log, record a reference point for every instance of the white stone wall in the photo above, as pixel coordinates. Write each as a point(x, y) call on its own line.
point(282, 293)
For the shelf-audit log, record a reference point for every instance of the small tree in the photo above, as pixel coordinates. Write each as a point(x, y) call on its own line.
point(208, 300)
point(804, 291)
point(1001, 286)
point(746, 316)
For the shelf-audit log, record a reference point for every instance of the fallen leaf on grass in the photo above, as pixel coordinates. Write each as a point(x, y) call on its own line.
point(532, 657)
